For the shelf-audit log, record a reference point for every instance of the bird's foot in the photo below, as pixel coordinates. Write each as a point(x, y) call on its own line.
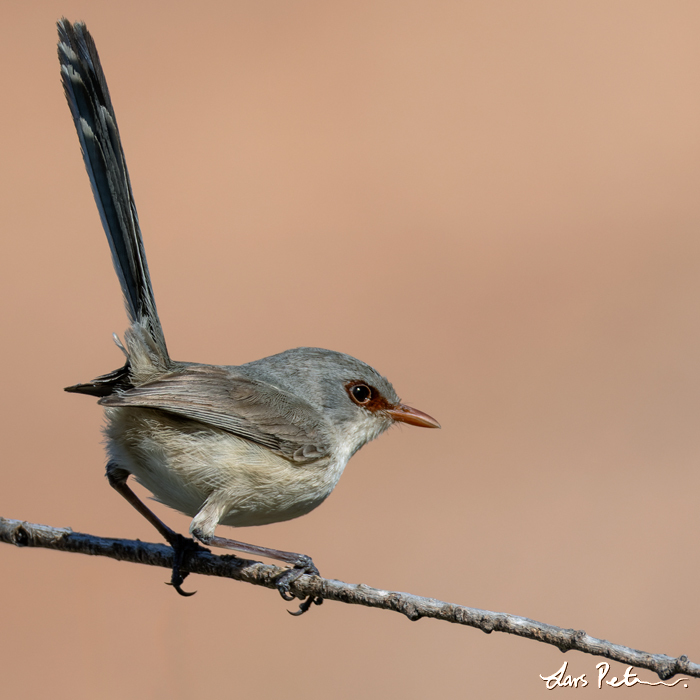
point(303, 565)
point(183, 548)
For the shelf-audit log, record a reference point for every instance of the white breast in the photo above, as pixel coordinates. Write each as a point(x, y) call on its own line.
point(183, 463)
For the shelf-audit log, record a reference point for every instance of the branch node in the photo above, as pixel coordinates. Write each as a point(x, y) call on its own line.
point(486, 626)
point(411, 612)
point(20, 537)
point(671, 667)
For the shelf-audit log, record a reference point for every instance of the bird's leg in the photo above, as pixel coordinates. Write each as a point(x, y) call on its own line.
point(182, 546)
point(203, 526)
point(301, 563)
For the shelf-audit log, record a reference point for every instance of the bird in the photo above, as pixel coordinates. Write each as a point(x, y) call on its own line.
point(235, 445)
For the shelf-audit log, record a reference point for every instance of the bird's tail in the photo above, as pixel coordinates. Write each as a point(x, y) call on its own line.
point(90, 104)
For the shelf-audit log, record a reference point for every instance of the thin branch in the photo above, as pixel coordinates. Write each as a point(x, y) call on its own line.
point(414, 607)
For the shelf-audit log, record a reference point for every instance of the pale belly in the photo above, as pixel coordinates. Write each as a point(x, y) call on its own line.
point(183, 463)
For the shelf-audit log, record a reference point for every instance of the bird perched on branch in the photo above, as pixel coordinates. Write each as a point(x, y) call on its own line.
point(233, 445)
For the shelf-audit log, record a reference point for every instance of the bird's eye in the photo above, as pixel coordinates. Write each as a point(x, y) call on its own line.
point(361, 393)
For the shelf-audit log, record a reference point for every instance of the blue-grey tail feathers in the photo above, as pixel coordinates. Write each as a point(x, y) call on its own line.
point(90, 104)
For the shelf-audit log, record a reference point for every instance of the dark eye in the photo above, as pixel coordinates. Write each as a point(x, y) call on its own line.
point(361, 393)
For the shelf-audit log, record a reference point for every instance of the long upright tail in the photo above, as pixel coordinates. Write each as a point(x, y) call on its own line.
point(90, 104)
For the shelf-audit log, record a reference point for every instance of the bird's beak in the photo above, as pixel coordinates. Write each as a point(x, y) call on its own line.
point(412, 416)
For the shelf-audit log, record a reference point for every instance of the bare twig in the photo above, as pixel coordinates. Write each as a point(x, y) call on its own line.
point(415, 607)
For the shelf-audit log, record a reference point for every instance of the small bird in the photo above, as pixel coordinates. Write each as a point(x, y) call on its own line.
point(232, 445)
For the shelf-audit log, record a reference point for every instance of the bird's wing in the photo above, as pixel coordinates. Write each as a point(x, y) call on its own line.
point(248, 408)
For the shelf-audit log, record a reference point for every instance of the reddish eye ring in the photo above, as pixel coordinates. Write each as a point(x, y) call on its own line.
point(361, 394)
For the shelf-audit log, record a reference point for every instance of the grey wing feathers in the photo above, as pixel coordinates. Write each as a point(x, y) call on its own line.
point(246, 407)
point(90, 104)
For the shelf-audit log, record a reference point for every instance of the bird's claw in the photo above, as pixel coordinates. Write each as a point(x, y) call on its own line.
point(176, 584)
point(303, 565)
point(183, 547)
point(306, 604)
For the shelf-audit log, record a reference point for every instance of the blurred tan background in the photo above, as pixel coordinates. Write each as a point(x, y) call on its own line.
point(493, 203)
